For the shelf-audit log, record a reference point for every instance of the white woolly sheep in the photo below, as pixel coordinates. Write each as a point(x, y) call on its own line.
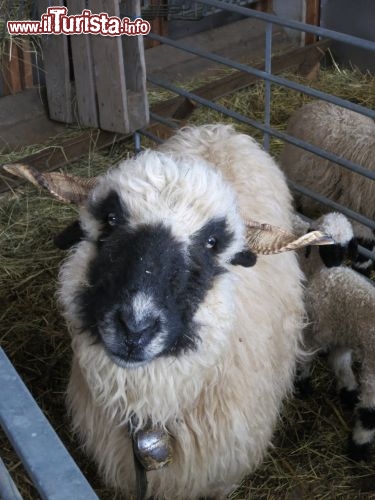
point(349, 135)
point(168, 334)
point(340, 305)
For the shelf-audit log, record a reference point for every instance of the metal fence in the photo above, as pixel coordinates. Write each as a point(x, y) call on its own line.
point(182, 9)
point(269, 78)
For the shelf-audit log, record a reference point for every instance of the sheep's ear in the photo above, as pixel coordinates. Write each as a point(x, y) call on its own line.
point(246, 258)
point(265, 239)
point(332, 256)
point(64, 187)
point(353, 249)
point(69, 236)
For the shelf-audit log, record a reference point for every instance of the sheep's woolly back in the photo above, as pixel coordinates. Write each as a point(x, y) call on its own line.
point(344, 133)
point(220, 403)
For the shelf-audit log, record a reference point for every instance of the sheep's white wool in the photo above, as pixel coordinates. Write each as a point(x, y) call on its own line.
point(220, 403)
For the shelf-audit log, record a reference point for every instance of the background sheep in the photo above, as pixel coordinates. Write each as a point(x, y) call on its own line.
point(349, 135)
point(164, 327)
point(340, 305)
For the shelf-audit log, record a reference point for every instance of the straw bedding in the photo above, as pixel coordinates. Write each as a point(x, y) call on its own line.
point(307, 460)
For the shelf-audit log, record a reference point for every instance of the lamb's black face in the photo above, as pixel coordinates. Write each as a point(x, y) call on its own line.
point(334, 255)
point(144, 286)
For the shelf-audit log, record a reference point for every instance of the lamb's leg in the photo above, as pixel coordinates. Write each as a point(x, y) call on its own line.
point(303, 378)
point(340, 360)
point(363, 432)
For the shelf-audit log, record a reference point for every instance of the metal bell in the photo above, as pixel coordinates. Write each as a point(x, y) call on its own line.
point(153, 448)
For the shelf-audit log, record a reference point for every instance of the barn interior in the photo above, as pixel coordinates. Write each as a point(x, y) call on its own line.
point(199, 64)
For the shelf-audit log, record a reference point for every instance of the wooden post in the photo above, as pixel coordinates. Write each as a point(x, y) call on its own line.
point(109, 70)
point(135, 72)
point(312, 17)
point(263, 5)
point(83, 71)
point(26, 66)
point(159, 25)
point(57, 71)
point(11, 71)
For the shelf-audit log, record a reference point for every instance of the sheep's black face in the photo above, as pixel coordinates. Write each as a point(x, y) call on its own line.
point(144, 286)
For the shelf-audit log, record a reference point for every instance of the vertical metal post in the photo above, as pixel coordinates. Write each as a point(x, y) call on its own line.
point(267, 86)
point(137, 142)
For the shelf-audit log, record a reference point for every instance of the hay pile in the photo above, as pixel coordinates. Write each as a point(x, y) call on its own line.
point(307, 460)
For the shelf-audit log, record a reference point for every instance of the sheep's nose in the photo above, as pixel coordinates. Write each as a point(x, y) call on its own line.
point(137, 326)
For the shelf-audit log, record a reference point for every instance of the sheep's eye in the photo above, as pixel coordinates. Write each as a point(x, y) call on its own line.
point(111, 219)
point(211, 242)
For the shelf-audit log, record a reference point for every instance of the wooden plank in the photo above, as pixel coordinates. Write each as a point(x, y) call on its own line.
point(24, 51)
point(60, 155)
point(57, 71)
point(109, 70)
point(135, 70)
point(312, 17)
point(83, 71)
point(11, 69)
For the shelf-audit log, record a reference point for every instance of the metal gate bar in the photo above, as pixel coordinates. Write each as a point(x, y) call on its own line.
point(284, 82)
point(249, 121)
point(296, 25)
point(52, 470)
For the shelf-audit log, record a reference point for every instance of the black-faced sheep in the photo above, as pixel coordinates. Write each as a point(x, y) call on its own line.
point(340, 305)
point(173, 326)
point(349, 135)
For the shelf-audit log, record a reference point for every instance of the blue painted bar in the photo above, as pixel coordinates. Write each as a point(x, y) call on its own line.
point(52, 470)
point(296, 25)
point(151, 136)
point(332, 204)
point(137, 143)
point(265, 76)
point(267, 86)
point(164, 121)
point(8, 490)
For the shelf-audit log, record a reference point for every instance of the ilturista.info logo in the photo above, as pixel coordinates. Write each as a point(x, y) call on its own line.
point(57, 22)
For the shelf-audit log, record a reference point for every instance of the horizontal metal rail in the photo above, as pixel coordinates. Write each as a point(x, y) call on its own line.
point(332, 204)
point(151, 136)
point(260, 126)
point(165, 121)
point(52, 470)
point(284, 82)
point(296, 25)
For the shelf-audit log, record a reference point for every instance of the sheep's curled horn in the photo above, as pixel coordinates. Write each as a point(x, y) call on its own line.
point(263, 239)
